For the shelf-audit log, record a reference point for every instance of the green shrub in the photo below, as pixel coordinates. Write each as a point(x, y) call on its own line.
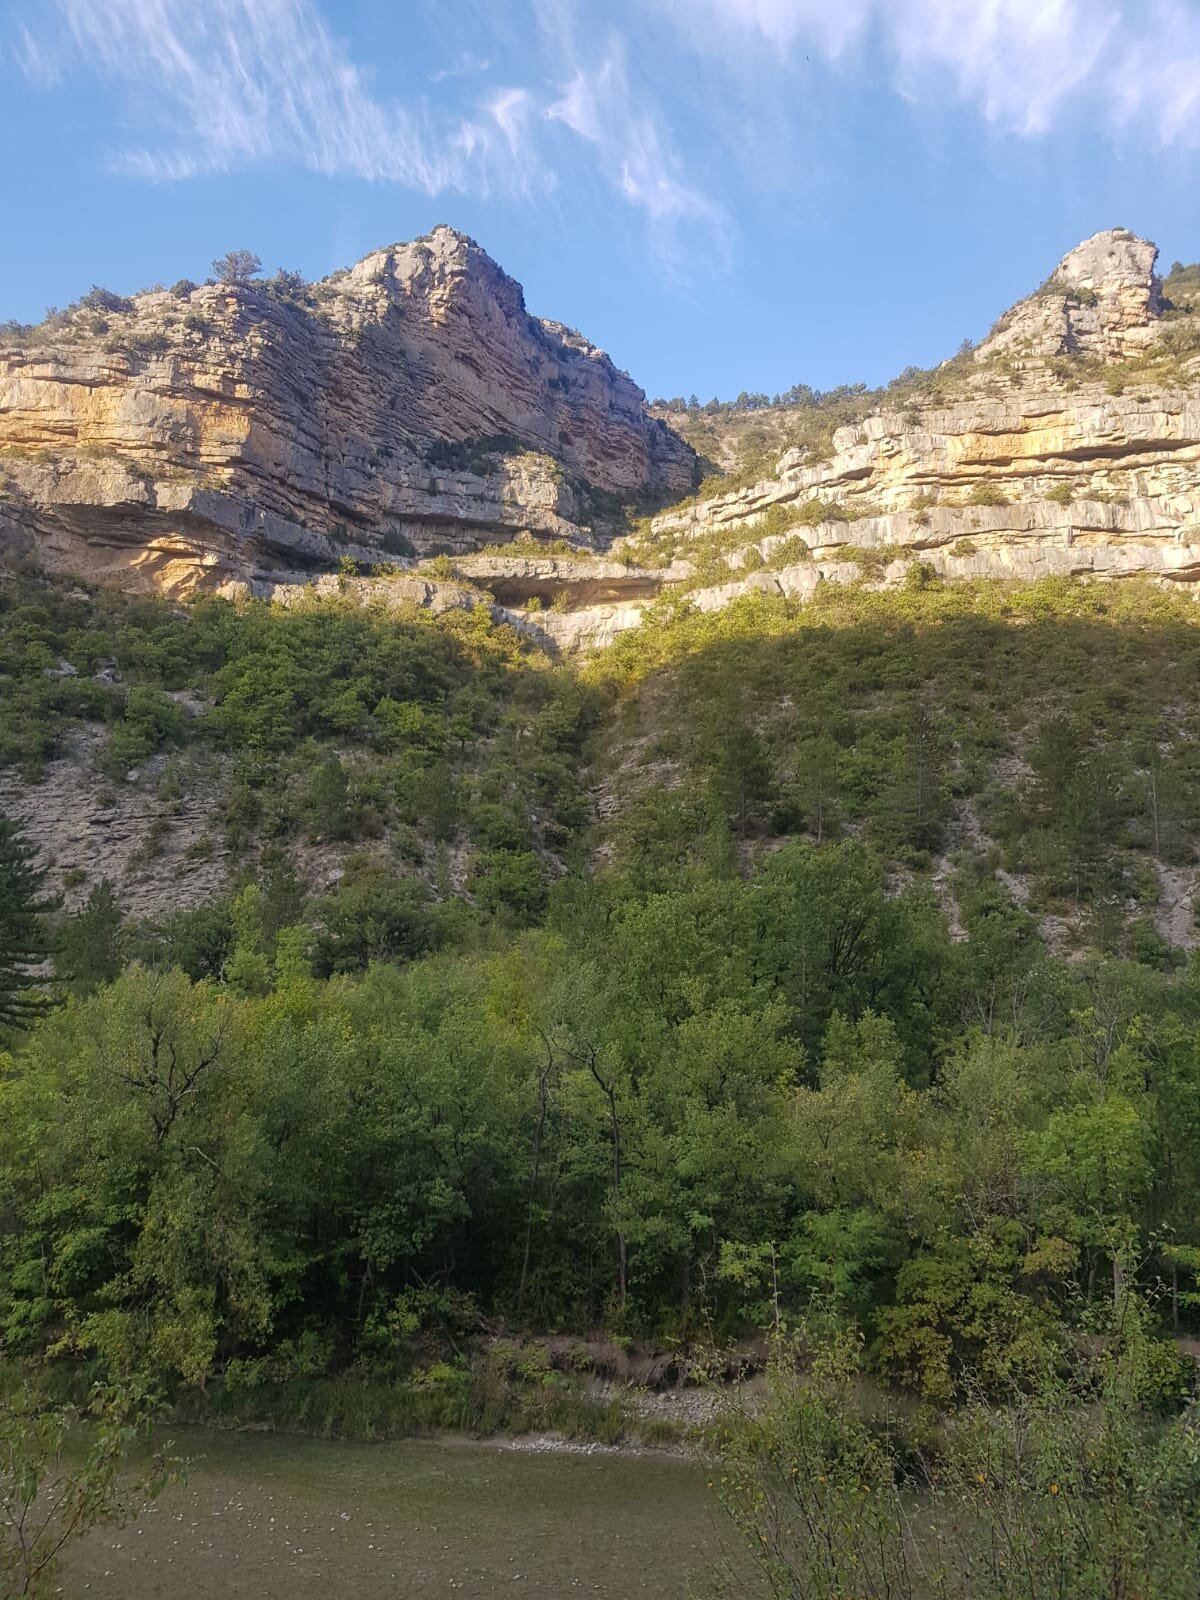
point(793, 550)
point(149, 720)
point(510, 884)
point(816, 511)
point(104, 300)
point(396, 543)
point(1064, 1490)
point(987, 494)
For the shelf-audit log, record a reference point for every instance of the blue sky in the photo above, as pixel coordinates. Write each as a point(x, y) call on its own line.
point(725, 194)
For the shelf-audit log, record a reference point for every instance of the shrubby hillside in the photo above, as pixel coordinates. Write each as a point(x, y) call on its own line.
point(1029, 745)
point(178, 750)
point(405, 1007)
point(793, 960)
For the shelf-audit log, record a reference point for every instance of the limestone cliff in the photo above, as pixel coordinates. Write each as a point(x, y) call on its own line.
point(1102, 300)
point(1068, 443)
point(408, 405)
point(246, 437)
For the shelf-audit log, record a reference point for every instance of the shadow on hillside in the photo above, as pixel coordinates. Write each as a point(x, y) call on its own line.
point(1052, 734)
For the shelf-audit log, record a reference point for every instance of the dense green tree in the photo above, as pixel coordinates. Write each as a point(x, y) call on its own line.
point(198, 941)
point(740, 770)
point(327, 803)
point(24, 939)
point(816, 787)
point(835, 939)
point(88, 949)
point(512, 884)
point(370, 915)
point(236, 266)
point(915, 804)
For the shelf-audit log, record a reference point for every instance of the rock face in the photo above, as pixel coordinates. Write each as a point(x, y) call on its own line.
point(411, 404)
point(1068, 445)
point(240, 439)
point(1102, 300)
point(1023, 461)
point(1027, 482)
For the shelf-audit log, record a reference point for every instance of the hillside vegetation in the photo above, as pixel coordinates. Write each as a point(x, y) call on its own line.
point(1035, 743)
point(387, 757)
point(799, 960)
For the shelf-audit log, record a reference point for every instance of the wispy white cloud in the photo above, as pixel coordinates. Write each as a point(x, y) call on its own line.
point(1157, 82)
point(232, 82)
point(510, 111)
point(599, 105)
point(467, 65)
point(39, 64)
point(831, 28)
point(222, 85)
point(1018, 60)
point(1023, 63)
point(210, 86)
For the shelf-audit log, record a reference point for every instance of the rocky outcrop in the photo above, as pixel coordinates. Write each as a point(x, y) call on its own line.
point(86, 831)
point(565, 605)
point(1102, 300)
point(546, 581)
point(1069, 445)
point(1018, 444)
point(230, 431)
point(245, 439)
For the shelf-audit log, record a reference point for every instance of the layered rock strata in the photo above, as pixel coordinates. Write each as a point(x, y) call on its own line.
point(412, 404)
point(229, 438)
point(1067, 445)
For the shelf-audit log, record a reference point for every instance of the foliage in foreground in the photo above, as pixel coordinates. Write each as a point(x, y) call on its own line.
point(63, 1473)
point(1069, 1491)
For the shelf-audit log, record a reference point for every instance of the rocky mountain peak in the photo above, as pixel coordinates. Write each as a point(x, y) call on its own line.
point(1102, 300)
point(445, 275)
point(436, 271)
point(1109, 262)
point(408, 405)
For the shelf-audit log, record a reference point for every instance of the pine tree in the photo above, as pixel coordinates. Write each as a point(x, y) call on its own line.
point(89, 943)
point(24, 945)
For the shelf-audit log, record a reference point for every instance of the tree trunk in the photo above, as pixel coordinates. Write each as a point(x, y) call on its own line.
point(609, 1090)
point(535, 1167)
